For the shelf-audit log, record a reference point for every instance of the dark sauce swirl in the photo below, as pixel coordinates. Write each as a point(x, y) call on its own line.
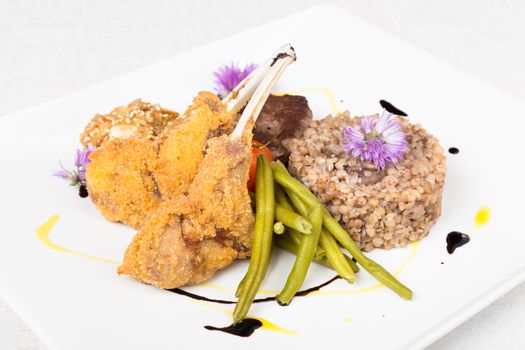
point(391, 108)
point(300, 293)
point(455, 240)
point(245, 328)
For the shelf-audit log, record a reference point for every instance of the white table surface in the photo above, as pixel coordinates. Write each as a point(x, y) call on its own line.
point(52, 48)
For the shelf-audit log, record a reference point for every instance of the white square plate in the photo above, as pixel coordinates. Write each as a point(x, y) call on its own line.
point(76, 303)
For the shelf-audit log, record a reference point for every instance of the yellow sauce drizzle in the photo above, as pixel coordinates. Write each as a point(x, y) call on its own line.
point(482, 217)
point(413, 250)
point(332, 101)
point(216, 287)
point(269, 326)
point(43, 231)
point(349, 320)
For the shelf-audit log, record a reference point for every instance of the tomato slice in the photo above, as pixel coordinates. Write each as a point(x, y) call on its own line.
point(257, 148)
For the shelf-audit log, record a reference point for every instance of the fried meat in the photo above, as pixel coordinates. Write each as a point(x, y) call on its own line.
point(130, 174)
point(193, 235)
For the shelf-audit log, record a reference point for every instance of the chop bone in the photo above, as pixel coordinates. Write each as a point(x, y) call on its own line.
point(256, 88)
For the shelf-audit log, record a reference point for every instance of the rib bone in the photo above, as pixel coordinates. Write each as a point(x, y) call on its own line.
point(238, 97)
point(272, 72)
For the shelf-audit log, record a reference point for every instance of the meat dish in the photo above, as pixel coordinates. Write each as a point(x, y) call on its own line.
point(183, 181)
point(145, 154)
point(206, 221)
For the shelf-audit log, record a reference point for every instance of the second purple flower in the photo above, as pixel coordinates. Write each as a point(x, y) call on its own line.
point(377, 140)
point(228, 76)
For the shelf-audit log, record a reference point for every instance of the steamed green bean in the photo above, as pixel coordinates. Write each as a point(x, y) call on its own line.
point(263, 234)
point(305, 255)
point(293, 220)
point(283, 178)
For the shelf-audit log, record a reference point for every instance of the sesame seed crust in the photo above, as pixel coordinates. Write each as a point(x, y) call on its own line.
point(141, 120)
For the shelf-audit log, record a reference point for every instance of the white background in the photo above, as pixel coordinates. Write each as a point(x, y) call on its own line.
point(53, 48)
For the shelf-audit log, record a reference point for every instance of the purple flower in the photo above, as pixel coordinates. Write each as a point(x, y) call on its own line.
point(377, 140)
point(77, 176)
point(227, 77)
point(82, 157)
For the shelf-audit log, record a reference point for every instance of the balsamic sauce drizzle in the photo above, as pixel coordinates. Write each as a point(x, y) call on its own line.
point(391, 108)
point(300, 293)
point(455, 240)
point(200, 297)
point(453, 150)
point(245, 328)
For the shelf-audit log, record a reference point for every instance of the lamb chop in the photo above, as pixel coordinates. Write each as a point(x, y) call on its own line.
point(146, 154)
point(194, 234)
point(130, 174)
point(181, 147)
point(142, 157)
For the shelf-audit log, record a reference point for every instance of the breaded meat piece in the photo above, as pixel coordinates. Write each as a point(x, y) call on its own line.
point(192, 236)
point(130, 174)
point(181, 146)
point(120, 183)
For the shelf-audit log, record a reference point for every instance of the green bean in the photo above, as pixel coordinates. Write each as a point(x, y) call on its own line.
point(294, 237)
point(291, 185)
point(264, 219)
point(283, 178)
point(320, 252)
point(305, 255)
point(352, 263)
point(293, 220)
point(291, 247)
point(338, 260)
point(336, 257)
point(297, 203)
point(340, 266)
point(241, 285)
point(334, 254)
point(258, 229)
point(368, 264)
point(287, 244)
point(280, 197)
point(278, 228)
